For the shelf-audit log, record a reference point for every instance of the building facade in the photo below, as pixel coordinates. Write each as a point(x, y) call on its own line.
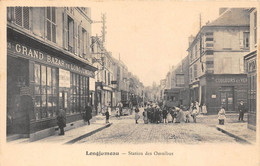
point(251, 70)
point(48, 67)
point(104, 92)
point(216, 66)
point(178, 92)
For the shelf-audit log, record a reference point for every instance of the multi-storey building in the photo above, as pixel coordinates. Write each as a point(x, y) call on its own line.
point(179, 90)
point(216, 66)
point(251, 70)
point(102, 59)
point(48, 67)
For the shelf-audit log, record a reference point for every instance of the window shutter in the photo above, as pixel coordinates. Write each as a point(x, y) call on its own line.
point(9, 13)
point(80, 41)
point(65, 30)
point(76, 38)
point(241, 40)
point(18, 15)
point(71, 36)
point(85, 42)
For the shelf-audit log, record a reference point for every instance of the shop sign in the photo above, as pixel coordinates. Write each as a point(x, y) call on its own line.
point(213, 96)
point(64, 78)
point(37, 55)
point(230, 80)
point(25, 91)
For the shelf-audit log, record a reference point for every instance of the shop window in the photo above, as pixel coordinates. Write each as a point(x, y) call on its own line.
point(45, 91)
point(51, 24)
point(22, 17)
point(79, 93)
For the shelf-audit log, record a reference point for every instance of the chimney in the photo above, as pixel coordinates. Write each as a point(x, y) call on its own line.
point(191, 38)
point(222, 10)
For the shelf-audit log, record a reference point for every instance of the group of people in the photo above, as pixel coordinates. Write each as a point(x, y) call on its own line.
point(153, 113)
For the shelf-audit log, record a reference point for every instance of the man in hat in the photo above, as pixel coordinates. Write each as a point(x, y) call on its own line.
point(241, 110)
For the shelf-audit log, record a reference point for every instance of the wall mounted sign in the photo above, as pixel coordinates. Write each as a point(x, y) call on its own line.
point(213, 96)
point(37, 55)
point(64, 78)
point(230, 80)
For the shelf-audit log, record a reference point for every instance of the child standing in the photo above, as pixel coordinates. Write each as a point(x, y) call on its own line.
point(221, 115)
point(107, 116)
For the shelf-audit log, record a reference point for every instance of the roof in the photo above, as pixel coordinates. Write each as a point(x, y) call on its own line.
point(232, 17)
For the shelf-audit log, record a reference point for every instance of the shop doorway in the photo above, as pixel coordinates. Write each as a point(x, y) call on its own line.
point(227, 98)
point(19, 105)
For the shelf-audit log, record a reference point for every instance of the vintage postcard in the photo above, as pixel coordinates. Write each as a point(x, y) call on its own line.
point(129, 83)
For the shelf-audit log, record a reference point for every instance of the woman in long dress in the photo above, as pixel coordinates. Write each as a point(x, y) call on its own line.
point(137, 116)
point(145, 116)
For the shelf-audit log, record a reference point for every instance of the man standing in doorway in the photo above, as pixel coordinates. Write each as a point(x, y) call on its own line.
point(241, 110)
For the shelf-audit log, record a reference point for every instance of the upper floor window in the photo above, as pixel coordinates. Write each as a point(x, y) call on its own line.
point(191, 74)
point(22, 16)
point(179, 80)
point(196, 51)
point(195, 71)
point(191, 54)
point(51, 24)
point(246, 39)
point(255, 27)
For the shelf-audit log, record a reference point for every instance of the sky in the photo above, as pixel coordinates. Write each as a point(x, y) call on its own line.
point(151, 36)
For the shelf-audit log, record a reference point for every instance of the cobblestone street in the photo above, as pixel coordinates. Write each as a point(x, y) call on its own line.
point(124, 130)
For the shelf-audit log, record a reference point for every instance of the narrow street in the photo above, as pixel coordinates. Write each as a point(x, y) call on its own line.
point(124, 130)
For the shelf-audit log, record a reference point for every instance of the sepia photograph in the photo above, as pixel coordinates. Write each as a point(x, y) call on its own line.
point(172, 82)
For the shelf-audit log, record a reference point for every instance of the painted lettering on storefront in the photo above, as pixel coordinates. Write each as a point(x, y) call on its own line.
point(28, 52)
point(55, 61)
point(38, 55)
point(231, 80)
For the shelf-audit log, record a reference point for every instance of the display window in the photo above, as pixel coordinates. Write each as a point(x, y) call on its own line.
point(79, 93)
point(45, 91)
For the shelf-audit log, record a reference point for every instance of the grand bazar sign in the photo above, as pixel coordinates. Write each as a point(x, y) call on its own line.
point(43, 57)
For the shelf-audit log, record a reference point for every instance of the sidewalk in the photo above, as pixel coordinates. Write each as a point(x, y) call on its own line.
point(239, 131)
point(232, 127)
point(76, 134)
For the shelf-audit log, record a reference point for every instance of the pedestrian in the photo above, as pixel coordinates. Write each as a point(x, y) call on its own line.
point(173, 113)
point(197, 106)
point(137, 116)
point(194, 114)
point(221, 115)
point(242, 110)
point(120, 106)
point(88, 113)
point(157, 114)
point(204, 109)
point(165, 113)
point(169, 117)
point(145, 116)
point(107, 116)
point(61, 121)
point(109, 109)
point(178, 115)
